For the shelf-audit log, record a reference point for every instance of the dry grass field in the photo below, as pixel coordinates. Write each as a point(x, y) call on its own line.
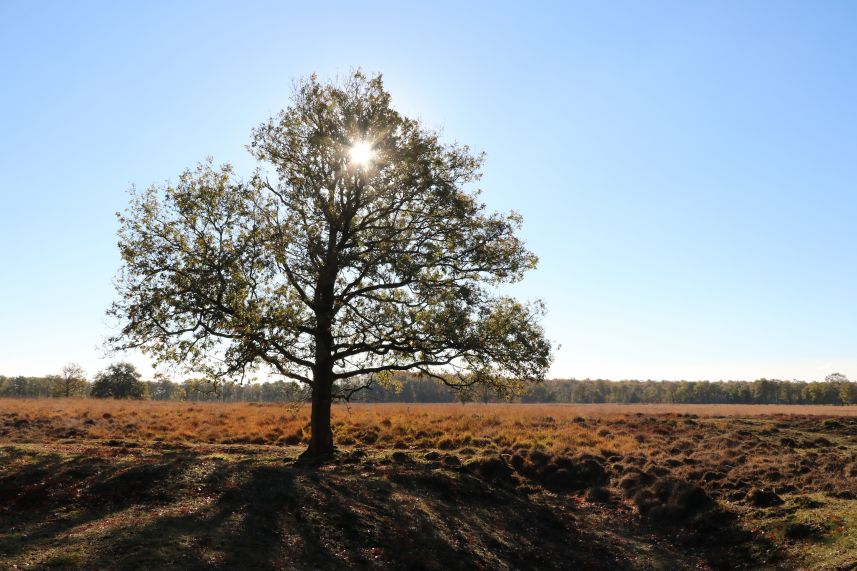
point(176, 485)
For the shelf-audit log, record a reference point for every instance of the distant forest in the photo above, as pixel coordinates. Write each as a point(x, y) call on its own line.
point(834, 390)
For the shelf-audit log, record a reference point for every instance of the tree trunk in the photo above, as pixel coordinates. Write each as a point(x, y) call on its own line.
point(321, 436)
point(321, 439)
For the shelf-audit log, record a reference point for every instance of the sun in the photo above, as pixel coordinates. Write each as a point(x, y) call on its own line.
point(361, 153)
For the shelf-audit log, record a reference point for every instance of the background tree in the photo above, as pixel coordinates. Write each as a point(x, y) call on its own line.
point(71, 381)
point(846, 389)
point(366, 254)
point(119, 381)
point(848, 392)
point(162, 388)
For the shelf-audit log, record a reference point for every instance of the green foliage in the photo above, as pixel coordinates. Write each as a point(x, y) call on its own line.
point(71, 382)
point(336, 270)
point(760, 391)
point(405, 387)
point(30, 387)
point(119, 381)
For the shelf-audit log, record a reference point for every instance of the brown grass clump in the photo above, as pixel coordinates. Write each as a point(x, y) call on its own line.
point(561, 473)
point(672, 501)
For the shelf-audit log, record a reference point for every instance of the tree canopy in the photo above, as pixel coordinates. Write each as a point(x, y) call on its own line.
point(358, 248)
point(71, 381)
point(119, 381)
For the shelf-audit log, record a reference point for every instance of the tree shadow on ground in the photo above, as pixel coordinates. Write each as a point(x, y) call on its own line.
point(48, 494)
point(287, 516)
point(188, 510)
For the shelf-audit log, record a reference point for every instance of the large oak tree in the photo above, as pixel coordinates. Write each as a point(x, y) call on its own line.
point(360, 251)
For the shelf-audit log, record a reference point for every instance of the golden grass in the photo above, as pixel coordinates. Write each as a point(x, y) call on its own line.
point(554, 428)
point(445, 427)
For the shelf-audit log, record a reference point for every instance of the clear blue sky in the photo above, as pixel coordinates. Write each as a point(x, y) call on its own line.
point(687, 171)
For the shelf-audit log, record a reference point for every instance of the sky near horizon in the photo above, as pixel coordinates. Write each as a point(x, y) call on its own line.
point(687, 171)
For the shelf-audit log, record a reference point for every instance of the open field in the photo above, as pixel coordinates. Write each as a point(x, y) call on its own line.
point(108, 484)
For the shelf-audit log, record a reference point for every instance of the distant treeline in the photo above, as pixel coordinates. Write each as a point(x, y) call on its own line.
point(834, 390)
point(162, 389)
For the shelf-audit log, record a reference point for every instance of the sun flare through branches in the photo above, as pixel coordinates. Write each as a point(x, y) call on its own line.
point(361, 153)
